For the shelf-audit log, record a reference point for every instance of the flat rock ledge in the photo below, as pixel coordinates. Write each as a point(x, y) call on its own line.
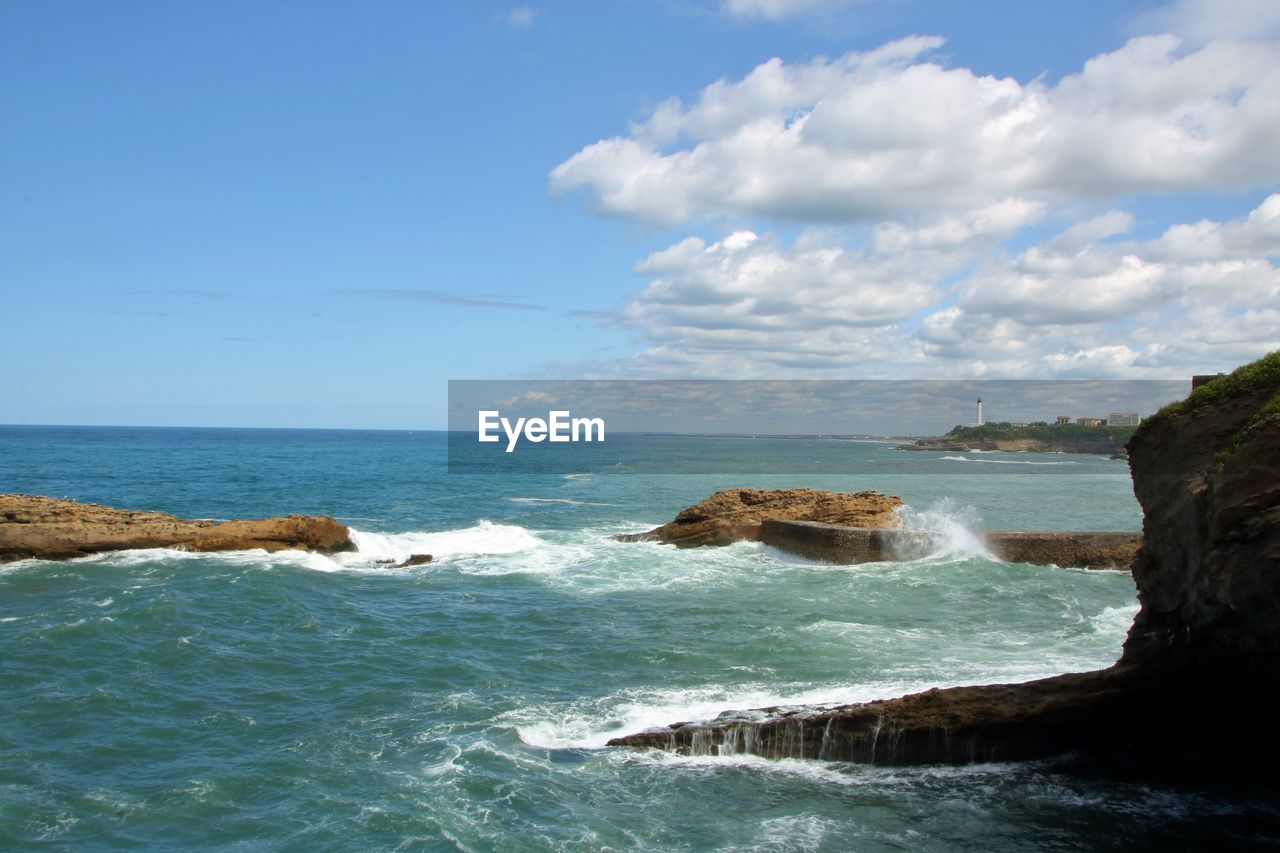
point(56, 529)
point(997, 722)
point(833, 543)
point(733, 515)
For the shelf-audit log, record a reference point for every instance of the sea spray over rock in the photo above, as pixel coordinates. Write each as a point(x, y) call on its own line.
point(945, 529)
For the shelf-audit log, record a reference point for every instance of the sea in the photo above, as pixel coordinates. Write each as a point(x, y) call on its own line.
point(164, 700)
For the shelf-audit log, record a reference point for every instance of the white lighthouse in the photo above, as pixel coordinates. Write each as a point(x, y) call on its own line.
point(979, 412)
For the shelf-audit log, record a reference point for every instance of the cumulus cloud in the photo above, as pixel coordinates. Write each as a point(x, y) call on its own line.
point(813, 302)
point(886, 133)
point(1070, 280)
point(940, 298)
point(1200, 21)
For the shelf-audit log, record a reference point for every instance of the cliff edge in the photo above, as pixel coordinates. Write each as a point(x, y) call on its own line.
point(1190, 687)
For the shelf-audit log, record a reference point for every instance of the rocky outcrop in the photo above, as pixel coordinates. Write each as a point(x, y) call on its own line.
point(1192, 688)
point(1207, 473)
point(735, 514)
point(56, 529)
point(832, 543)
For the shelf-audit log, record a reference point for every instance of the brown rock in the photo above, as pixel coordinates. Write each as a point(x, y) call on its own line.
point(56, 529)
point(735, 514)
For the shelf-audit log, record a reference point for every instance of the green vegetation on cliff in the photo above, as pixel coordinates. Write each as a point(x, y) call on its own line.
point(1260, 374)
point(1056, 435)
point(1256, 377)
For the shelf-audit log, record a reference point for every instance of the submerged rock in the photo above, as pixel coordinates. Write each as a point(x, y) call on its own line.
point(1191, 687)
point(735, 514)
point(414, 560)
point(57, 529)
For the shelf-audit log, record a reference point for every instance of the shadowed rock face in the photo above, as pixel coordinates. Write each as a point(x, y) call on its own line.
point(1193, 684)
point(55, 529)
point(735, 514)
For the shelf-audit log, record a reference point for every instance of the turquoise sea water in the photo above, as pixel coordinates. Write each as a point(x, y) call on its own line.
point(161, 700)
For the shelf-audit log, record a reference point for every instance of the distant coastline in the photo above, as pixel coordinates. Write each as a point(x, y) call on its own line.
point(1034, 438)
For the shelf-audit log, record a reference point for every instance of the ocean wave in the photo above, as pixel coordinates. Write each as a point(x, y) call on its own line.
point(566, 501)
point(591, 724)
point(1001, 461)
point(1115, 620)
point(484, 538)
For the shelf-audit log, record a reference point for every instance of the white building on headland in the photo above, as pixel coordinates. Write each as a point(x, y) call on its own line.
point(1123, 419)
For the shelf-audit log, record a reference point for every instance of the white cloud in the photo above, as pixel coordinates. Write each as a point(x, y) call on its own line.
point(1082, 303)
point(1201, 21)
point(521, 17)
point(813, 303)
point(777, 9)
point(884, 133)
point(1070, 280)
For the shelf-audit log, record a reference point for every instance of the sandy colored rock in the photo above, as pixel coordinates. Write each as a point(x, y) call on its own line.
point(57, 529)
point(734, 514)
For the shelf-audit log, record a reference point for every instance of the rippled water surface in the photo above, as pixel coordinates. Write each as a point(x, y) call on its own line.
point(158, 699)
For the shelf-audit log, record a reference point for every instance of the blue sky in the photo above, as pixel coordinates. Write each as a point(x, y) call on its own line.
point(314, 214)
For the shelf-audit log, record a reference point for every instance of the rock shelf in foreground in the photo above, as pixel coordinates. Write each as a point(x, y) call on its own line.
point(58, 529)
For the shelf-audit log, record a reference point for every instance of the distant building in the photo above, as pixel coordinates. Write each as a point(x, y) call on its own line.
point(1089, 421)
point(1123, 419)
point(1062, 420)
point(1019, 424)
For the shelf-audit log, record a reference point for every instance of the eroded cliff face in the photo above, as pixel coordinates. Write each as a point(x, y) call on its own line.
point(735, 514)
point(1207, 473)
point(1192, 688)
point(57, 529)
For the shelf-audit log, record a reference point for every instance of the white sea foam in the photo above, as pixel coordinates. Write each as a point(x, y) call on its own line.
point(1001, 461)
point(1115, 620)
point(485, 539)
point(479, 539)
point(591, 725)
point(566, 501)
point(548, 501)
